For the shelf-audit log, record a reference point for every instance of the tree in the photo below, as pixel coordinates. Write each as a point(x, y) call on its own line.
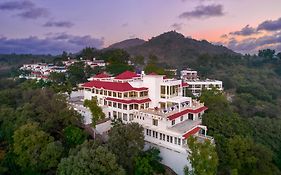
point(58, 78)
point(266, 53)
point(35, 150)
point(76, 73)
point(88, 53)
point(139, 59)
point(117, 68)
point(279, 55)
point(126, 142)
point(74, 136)
point(96, 111)
point(203, 157)
point(247, 158)
point(149, 162)
point(90, 158)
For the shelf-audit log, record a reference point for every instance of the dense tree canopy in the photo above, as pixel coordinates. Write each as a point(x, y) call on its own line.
point(90, 158)
point(126, 141)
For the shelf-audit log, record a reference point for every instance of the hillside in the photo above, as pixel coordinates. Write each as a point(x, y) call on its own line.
point(127, 43)
point(174, 49)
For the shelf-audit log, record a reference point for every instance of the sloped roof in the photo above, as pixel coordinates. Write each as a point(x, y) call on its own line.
point(191, 132)
point(193, 111)
point(114, 86)
point(126, 75)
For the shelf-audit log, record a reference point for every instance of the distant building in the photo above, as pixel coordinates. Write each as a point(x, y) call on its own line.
point(156, 103)
point(41, 70)
point(196, 85)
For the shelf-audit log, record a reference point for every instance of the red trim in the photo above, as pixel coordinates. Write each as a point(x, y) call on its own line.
point(176, 115)
point(184, 84)
point(128, 101)
point(126, 75)
point(191, 132)
point(114, 86)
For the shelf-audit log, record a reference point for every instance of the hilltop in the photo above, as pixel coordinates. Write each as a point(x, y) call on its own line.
point(172, 48)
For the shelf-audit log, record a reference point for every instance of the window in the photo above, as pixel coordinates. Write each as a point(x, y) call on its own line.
point(155, 122)
point(131, 117)
point(199, 116)
point(105, 92)
point(125, 106)
point(156, 135)
point(119, 115)
point(101, 92)
point(179, 141)
point(153, 133)
point(146, 131)
point(164, 137)
point(176, 140)
point(168, 138)
point(173, 122)
point(109, 93)
point(125, 117)
point(126, 94)
point(181, 118)
point(105, 102)
point(109, 114)
point(114, 114)
point(114, 104)
point(146, 105)
point(160, 136)
point(120, 105)
point(109, 103)
point(114, 94)
point(119, 95)
point(136, 106)
point(190, 116)
point(171, 139)
point(131, 106)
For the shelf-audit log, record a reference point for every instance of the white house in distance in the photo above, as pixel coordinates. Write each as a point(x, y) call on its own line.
point(156, 103)
point(196, 85)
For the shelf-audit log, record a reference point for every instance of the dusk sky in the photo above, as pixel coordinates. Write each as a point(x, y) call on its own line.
point(51, 26)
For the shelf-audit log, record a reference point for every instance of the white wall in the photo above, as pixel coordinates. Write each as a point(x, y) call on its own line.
point(175, 160)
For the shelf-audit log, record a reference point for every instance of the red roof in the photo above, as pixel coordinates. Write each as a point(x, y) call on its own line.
point(129, 101)
point(176, 115)
point(191, 132)
point(36, 73)
point(101, 75)
point(114, 86)
point(126, 75)
point(184, 84)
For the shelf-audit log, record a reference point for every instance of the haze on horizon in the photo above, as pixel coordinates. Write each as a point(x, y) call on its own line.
point(41, 27)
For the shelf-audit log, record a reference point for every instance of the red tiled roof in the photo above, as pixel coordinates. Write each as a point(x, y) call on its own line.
point(126, 75)
point(36, 73)
point(191, 132)
point(184, 84)
point(101, 75)
point(129, 101)
point(176, 115)
point(114, 86)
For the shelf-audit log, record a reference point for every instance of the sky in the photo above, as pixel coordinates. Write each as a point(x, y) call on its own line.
point(51, 26)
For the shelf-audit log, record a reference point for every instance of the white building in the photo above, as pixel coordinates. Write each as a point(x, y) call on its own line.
point(189, 74)
point(41, 70)
point(196, 86)
point(156, 103)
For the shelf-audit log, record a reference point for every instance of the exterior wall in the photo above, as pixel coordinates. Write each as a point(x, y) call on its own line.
point(152, 82)
point(178, 161)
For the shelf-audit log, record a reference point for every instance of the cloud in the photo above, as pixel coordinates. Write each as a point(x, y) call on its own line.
point(34, 13)
point(270, 25)
point(204, 11)
point(28, 9)
point(66, 24)
point(177, 26)
point(16, 5)
point(52, 44)
point(245, 31)
point(250, 45)
point(224, 36)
